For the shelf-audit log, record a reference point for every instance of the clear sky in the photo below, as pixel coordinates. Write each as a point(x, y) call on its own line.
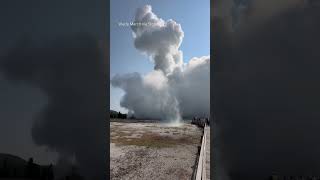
point(193, 15)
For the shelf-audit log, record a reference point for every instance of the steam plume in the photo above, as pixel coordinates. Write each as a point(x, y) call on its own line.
point(173, 89)
point(267, 91)
point(70, 72)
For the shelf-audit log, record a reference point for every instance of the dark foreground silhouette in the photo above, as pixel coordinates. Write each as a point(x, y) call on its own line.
point(15, 167)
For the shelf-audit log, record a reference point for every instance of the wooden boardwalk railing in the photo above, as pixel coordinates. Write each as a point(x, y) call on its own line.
point(203, 169)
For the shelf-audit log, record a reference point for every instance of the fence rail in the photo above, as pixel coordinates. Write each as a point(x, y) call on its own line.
point(201, 169)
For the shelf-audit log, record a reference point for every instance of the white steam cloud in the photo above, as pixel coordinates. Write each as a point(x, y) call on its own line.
point(160, 40)
point(173, 89)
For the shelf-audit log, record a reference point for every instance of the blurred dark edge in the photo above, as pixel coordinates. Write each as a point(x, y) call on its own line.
point(212, 60)
point(105, 5)
point(106, 20)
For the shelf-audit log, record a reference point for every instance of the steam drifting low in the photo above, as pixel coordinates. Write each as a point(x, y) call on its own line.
point(173, 89)
point(266, 92)
point(69, 71)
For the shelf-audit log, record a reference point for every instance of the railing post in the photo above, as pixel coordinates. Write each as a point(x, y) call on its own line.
point(204, 155)
point(201, 170)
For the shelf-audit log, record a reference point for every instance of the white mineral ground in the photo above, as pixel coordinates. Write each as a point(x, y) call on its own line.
point(144, 150)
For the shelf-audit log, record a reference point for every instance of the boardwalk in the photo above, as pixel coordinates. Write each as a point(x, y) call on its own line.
point(203, 169)
point(207, 148)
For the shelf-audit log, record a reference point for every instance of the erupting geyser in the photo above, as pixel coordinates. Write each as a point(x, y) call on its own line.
point(173, 89)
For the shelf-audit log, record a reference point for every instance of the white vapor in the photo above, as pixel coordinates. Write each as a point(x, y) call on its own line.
point(160, 40)
point(173, 89)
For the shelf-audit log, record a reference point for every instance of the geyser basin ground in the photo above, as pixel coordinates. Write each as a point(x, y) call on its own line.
point(153, 150)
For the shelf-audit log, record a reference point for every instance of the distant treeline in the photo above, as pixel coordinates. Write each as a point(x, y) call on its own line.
point(117, 115)
point(30, 170)
point(15, 167)
point(276, 177)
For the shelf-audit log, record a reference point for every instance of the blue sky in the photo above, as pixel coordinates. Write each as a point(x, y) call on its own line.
point(193, 15)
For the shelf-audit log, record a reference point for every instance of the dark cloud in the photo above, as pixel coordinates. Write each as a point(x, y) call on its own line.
point(266, 93)
point(70, 71)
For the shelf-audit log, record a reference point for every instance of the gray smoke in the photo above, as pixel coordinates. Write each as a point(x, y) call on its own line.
point(266, 92)
point(173, 89)
point(70, 73)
